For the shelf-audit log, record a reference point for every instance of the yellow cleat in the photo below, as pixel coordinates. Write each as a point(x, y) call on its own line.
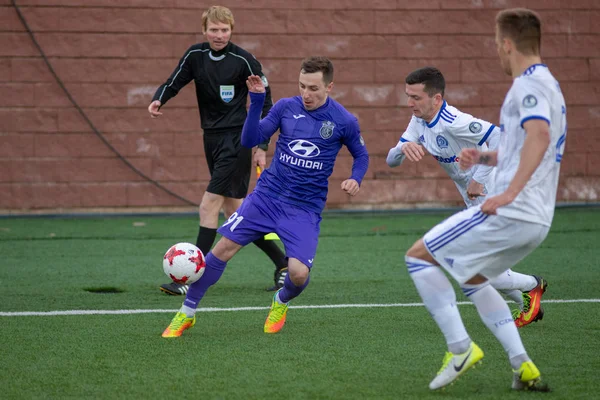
point(528, 377)
point(276, 318)
point(179, 324)
point(454, 365)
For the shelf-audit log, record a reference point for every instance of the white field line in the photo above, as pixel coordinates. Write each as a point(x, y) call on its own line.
point(128, 312)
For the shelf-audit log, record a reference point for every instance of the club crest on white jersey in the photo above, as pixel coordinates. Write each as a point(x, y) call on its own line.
point(441, 141)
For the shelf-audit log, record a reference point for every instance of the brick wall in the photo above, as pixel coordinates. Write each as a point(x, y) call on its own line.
point(113, 54)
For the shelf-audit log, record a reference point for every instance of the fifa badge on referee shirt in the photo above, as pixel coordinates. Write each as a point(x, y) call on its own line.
point(326, 130)
point(227, 92)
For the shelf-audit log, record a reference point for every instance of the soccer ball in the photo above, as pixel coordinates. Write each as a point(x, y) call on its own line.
point(184, 263)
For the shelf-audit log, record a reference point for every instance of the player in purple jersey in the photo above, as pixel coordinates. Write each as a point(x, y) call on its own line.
point(290, 195)
point(219, 70)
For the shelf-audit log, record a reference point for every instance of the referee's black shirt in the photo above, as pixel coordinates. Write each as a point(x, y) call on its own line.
point(220, 78)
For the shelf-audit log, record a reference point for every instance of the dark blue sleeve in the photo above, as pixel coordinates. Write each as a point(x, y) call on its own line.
point(356, 145)
point(255, 130)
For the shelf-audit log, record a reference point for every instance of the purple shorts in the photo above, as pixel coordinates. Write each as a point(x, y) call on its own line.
point(259, 215)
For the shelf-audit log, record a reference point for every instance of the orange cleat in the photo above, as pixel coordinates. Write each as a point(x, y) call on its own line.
point(277, 314)
point(533, 310)
point(179, 324)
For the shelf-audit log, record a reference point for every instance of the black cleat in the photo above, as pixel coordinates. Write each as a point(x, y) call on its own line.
point(174, 289)
point(279, 279)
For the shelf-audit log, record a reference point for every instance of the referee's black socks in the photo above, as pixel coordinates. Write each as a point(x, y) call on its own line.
point(206, 238)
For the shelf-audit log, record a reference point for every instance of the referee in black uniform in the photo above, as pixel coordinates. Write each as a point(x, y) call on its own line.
point(219, 70)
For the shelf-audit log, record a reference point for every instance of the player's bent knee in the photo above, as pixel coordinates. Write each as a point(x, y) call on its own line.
point(298, 279)
point(298, 272)
point(418, 250)
point(477, 280)
point(225, 249)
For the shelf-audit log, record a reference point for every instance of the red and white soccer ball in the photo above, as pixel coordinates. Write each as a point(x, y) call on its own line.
point(184, 263)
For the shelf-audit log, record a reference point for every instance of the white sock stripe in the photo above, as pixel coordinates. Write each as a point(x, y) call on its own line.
point(417, 268)
point(416, 261)
point(424, 264)
point(214, 309)
point(414, 264)
point(472, 289)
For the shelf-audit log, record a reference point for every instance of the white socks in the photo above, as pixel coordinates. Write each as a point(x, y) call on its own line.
point(440, 300)
point(511, 280)
point(496, 315)
point(188, 311)
point(514, 295)
point(277, 299)
point(512, 284)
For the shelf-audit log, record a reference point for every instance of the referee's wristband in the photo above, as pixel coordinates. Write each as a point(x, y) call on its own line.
point(263, 146)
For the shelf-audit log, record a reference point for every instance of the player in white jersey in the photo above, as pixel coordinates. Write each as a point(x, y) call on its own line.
point(444, 131)
point(481, 242)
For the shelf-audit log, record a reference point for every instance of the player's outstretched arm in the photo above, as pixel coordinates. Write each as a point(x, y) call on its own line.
point(255, 84)
point(181, 76)
point(470, 156)
point(482, 173)
point(489, 158)
point(394, 157)
point(255, 130)
point(536, 143)
point(413, 151)
point(409, 139)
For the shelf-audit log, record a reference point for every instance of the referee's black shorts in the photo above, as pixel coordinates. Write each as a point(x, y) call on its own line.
point(229, 164)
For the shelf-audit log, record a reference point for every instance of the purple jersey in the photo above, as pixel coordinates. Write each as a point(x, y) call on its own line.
point(308, 144)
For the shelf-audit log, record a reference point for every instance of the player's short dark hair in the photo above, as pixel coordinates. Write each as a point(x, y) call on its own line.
point(431, 77)
point(523, 27)
point(314, 64)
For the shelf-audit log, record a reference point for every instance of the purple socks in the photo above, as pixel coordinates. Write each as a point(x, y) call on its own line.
point(212, 272)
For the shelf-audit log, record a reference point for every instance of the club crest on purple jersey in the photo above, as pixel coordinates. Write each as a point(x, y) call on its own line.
point(326, 130)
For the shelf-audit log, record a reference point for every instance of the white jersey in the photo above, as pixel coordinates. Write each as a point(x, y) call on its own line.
point(533, 95)
point(448, 133)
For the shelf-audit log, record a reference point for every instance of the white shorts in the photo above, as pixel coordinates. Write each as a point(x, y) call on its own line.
point(471, 242)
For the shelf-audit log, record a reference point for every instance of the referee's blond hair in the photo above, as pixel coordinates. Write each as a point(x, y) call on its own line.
point(217, 14)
